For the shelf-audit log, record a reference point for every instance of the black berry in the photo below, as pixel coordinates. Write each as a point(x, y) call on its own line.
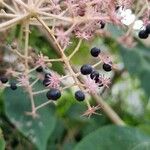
point(53, 94)
point(86, 69)
point(117, 7)
point(46, 82)
point(39, 69)
point(102, 24)
point(13, 86)
point(4, 79)
point(148, 28)
point(94, 75)
point(96, 80)
point(95, 52)
point(143, 34)
point(47, 75)
point(100, 84)
point(79, 95)
point(107, 67)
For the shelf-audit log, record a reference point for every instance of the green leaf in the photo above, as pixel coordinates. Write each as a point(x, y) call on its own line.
point(115, 31)
point(137, 62)
point(39, 129)
point(58, 134)
point(2, 142)
point(114, 138)
point(144, 128)
point(143, 146)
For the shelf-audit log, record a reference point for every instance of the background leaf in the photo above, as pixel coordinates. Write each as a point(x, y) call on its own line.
point(114, 137)
point(39, 129)
point(137, 61)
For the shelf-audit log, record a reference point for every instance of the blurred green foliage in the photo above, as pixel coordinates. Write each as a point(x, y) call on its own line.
point(115, 137)
point(37, 129)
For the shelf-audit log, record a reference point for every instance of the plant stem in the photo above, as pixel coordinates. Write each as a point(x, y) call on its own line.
point(26, 46)
point(12, 22)
point(108, 111)
point(29, 88)
point(113, 116)
point(76, 49)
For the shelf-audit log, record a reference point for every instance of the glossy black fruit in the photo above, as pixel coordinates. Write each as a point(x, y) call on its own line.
point(94, 75)
point(107, 67)
point(79, 95)
point(95, 52)
point(96, 80)
point(86, 69)
point(148, 28)
point(4, 79)
point(143, 34)
point(100, 84)
point(102, 24)
point(46, 82)
point(47, 75)
point(13, 86)
point(39, 69)
point(53, 94)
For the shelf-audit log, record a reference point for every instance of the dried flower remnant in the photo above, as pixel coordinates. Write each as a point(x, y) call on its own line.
point(62, 37)
point(23, 81)
point(104, 81)
point(105, 58)
point(92, 111)
point(125, 3)
point(41, 61)
point(52, 80)
point(91, 86)
point(11, 72)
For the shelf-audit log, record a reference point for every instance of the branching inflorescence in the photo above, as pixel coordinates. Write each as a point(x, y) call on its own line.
point(62, 20)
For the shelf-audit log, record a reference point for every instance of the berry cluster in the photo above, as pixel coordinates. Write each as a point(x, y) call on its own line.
point(95, 53)
point(143, 34)
point(94, 75)
point(52, 82)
